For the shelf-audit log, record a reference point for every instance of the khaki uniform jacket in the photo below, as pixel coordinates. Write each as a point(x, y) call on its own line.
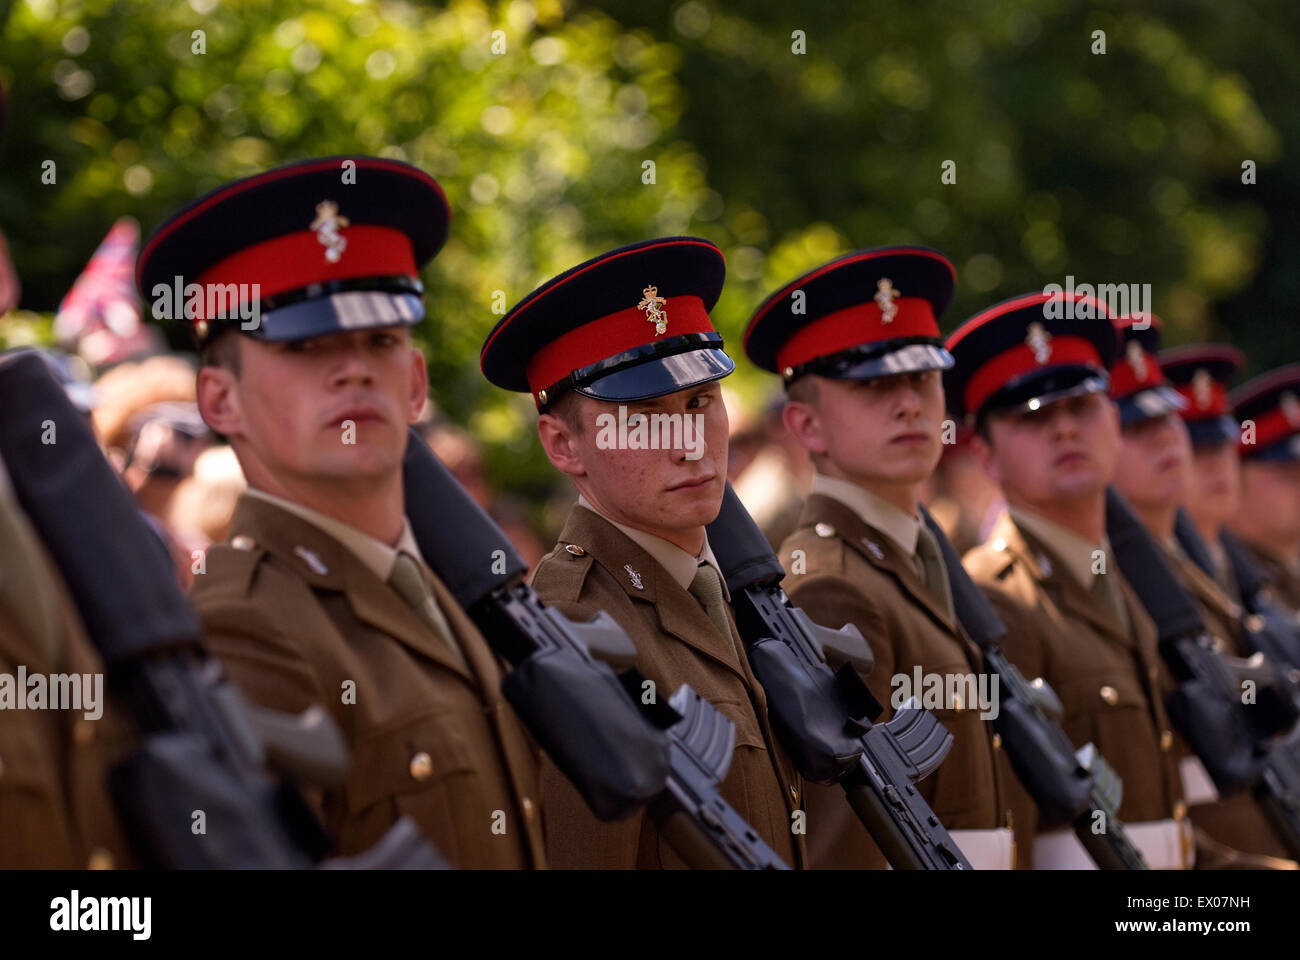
point(676, 643)
point(1109, 680)
point(1237, 821)
point(850, 572)
point(299, 620)
point(1283, 579)
point(55, 807)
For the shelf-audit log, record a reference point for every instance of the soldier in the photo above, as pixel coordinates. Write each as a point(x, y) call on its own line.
point(857, 344)
point(1268, 520)
point(606, 349)
point(1154, 475)
point(1201, 373)
point(1030, 375)
point(321, 595)
point(55, 808)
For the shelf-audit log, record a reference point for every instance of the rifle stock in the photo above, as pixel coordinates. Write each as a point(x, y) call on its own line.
point(824, 718)
point(1068, 786)
point(621, 753)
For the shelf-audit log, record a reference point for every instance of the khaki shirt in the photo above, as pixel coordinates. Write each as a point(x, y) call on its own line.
point(851, 560)
point(1108, 676)
point(56, 810)
point(300, 619)
point(597, 566)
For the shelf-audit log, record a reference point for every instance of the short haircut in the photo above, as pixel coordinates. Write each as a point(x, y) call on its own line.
point(222, 350)
point(568, 408)
point(804, 390)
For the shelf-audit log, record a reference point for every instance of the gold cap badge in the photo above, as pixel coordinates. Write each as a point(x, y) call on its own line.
point(327, 225)
point(653, 306)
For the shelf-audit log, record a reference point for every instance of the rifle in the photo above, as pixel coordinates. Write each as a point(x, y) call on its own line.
point(1069, 786)
point(1206, 705)
point(203, 746)
point(620, 752)
point(824, 717)
point(1268, 628)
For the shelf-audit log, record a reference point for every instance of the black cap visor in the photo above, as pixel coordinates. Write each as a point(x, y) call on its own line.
point(660, 376)
point(870, 362)
point(1213, 431)
point(1149, 404)
point(338, 313)
point(1039, 389)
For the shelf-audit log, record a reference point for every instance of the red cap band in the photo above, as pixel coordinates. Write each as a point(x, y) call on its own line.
point(1216, 403)
point(862, 323)
point(610, 335)
point(1269, 429)
point(295, 260)
point(1124, 378)
point(1019, 360)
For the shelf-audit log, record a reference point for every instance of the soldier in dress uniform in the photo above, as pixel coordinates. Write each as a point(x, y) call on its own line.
point(624, 336)
point(857, 344)
point(1202, 373)
point(1031, 376)
point(1154, 475)
point(1268, 520)
point(321, 595)
point(55, 807)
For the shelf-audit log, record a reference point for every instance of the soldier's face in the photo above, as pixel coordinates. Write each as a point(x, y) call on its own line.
point(1270, 495)
point(331, 409)
point(880, 432)
point(1063, 451)
point(1155, 462)
point(1215, 491)
point(668, 492)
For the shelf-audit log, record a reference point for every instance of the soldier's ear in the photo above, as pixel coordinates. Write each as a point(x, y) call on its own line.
point(219, 400)
point(558, 442)
point(982, 450)
point(419, 386)
point(802, 420)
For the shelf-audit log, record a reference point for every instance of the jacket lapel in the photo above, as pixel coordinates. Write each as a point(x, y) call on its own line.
point(326, 565)
point(646, 581)
point(877, 549)
point(1050, 570)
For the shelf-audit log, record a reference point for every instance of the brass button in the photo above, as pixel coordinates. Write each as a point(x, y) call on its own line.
point(530, 809)
point(100, 859)
point(997, 741)
point(242, 542)
point(1166, 740)
point(1109, 696)
point(576, 550)
point(957, 704)
point(541, 395)
point(201, 329)
point(787, 372)
point(1180, 810)
point(824, 530)
point(84, 731)
point(421, 766)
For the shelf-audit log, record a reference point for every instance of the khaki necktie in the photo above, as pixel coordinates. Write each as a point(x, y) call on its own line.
point(933, 569)
point(408, 581)
point(707, 588)
point(1106, 586)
